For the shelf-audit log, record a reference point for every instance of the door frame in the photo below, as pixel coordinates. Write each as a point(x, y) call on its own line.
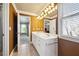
point(18, 31)
point(5, 25)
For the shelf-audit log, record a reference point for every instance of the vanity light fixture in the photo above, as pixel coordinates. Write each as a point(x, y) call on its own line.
point(42, 13)
point(53, 9)
point(49, 12)
point(46, 10)
point(49, 9)
point(45, 15)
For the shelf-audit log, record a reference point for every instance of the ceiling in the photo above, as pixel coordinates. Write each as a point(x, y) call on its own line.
point(34, 8)
point(52, 15)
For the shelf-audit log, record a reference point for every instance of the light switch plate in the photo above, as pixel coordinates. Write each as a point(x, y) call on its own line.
point(9, 28)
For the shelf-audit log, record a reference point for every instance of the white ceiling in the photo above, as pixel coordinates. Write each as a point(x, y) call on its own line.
point(34, 8)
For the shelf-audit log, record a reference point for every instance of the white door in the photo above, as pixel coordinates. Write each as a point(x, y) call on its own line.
point(5, 25)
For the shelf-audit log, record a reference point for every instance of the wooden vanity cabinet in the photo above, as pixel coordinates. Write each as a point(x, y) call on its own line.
point(67, 48)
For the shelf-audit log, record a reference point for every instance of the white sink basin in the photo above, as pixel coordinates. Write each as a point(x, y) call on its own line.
point(45, 35)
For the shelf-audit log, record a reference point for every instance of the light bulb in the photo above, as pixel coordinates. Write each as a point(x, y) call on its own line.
point(41, 18)
point(52, 4)
point(46, 9)
point(53, 9)
point(45, 15)
point(49, 7)
point(42, 13)
point(38, 17)
point(48, 12)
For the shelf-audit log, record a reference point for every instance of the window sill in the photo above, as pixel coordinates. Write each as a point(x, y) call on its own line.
point(70, 39)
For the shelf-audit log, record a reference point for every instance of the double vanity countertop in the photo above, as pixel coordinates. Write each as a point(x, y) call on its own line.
point(45, 35)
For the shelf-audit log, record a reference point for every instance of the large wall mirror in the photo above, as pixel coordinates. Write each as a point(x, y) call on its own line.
point(50, 22)
point(70, 20)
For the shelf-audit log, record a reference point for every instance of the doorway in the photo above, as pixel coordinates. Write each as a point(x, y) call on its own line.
point(23, 34)
point(1, 32)
point(24, 29)
point(15, 33)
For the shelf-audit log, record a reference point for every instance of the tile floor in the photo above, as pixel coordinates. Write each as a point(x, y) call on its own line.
point(27, 50)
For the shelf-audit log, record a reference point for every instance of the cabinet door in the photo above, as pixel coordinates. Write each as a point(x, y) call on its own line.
point(33, 39)
point(39, 47)
point(60, 53)
point(51, 49)
point(68, 48)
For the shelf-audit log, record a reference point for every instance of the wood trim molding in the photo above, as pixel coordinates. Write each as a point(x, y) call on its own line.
point(15, 7)
point(27, 13)
point(67, 48)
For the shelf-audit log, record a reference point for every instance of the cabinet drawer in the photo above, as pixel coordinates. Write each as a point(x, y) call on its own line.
point(51, 41)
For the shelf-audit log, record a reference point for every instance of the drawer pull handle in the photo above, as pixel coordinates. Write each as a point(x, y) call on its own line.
point(52, 43)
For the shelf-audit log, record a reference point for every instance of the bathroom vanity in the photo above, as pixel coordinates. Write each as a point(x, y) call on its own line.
point(46, 44)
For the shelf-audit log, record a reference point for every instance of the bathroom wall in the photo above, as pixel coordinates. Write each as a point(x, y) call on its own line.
point(11, 27)
point(36, 25)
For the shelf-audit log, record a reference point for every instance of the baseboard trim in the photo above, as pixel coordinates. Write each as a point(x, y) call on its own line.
point(12, 52)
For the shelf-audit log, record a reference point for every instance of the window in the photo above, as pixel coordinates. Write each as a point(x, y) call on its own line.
point(23, 28)
point(24, 25)
point(70, 20)
point(70, 26)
